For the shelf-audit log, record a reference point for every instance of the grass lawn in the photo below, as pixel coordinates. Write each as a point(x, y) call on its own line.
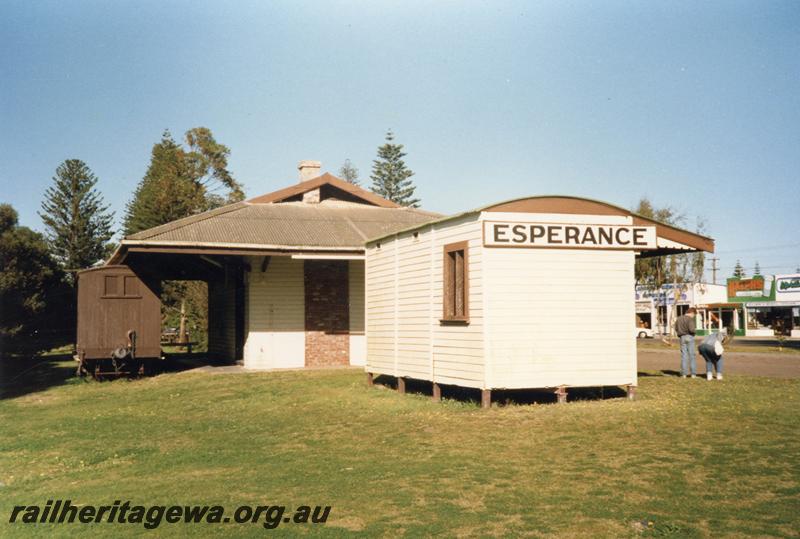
point(694, 458)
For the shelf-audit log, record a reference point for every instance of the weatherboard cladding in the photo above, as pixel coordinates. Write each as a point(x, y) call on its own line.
point(330, 223)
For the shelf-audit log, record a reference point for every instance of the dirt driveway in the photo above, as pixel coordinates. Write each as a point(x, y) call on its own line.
point(772, 365)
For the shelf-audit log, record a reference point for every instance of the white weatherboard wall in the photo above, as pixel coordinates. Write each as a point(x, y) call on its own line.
point(559, 316)
point(358, 341)
point(275, 315)
point(538, 317)
point(404, 306)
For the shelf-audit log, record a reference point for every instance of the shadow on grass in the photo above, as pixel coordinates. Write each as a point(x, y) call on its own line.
point(663, 372)
point(21, 376)
point(505, 397)
point(178, 362)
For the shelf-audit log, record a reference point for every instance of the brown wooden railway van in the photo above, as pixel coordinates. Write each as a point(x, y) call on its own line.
point(112, 302)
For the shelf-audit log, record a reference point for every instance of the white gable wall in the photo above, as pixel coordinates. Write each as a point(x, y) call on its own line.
point(559, 316)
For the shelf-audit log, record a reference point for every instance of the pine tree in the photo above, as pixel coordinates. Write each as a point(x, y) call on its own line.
point(349, 172)
point(77, 222)
point(738, 271)
point(391, 179)
point(166, 192)
point(207, 161)
point(757, 270)
point(181, 182)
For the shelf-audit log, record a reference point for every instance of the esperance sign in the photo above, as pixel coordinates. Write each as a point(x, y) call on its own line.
point(568, 236)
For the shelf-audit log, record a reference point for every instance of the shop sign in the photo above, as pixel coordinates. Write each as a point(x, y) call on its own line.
point(787, 287)
point(568, 236)
point(745, 288)
point(662, 296)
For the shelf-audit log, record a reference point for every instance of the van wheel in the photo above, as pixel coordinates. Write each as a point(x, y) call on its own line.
point(642, 334)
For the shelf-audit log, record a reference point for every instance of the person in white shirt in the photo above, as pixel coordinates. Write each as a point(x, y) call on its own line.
point(711, 350)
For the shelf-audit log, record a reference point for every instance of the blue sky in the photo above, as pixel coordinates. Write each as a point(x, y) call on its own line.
point(695, 105)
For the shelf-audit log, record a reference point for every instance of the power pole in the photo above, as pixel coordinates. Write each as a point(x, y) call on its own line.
point(714, 270)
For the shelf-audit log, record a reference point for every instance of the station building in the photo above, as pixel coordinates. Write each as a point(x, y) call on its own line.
point(285, 270)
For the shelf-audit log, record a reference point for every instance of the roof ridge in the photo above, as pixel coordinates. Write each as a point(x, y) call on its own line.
point(326, 178)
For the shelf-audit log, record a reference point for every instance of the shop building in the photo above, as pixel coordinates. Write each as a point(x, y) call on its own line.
point(497, 297)
point(762, 306)
point(654, 307)
point(771, 304)
point(720, 316)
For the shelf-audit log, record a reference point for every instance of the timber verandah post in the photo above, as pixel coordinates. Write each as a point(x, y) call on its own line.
point(436, 394)
point(486, 398)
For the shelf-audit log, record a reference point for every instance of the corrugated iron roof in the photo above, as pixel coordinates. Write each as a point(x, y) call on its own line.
point(330, 223)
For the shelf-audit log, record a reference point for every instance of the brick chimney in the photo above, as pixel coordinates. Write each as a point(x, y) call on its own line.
point(308, 171)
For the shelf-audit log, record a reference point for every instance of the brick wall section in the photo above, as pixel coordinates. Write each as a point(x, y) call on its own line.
point(327, 313)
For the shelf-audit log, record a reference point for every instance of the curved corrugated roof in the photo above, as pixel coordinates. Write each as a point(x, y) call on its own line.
point(571, 205)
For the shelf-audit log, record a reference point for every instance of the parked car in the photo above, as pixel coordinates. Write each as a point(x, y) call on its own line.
point(642, 333)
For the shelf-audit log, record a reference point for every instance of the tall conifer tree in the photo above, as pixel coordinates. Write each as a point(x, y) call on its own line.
point(738, 271)
point(181, 182)
point(349, 172)
point(77, 222)
point(166, 192)
point(391, 178)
